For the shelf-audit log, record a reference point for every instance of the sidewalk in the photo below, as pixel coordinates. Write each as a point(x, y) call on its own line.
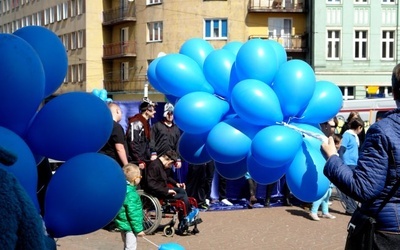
point(259, 228)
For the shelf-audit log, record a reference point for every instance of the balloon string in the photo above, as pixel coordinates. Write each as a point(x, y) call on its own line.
point(150, 241)
point(320, 137)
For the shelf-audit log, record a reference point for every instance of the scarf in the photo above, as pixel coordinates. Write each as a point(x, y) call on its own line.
point(144, 121)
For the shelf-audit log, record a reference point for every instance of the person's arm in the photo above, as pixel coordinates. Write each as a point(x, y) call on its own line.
point(152, 143)
point(121, 153)
point(368, 179)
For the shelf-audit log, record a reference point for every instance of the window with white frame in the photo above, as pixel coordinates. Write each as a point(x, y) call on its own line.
point(124, 71)
point(150, 2)
point(280, 30)
point(360, 1)
point(333, 1)
point(74, 73)
point(65, 41)
point(333, 40)
point(155, 31)
point(360, 44)
point(387, 45)
point(27, 20)
point(347, 92)
point(215, 29)
point(388, 1)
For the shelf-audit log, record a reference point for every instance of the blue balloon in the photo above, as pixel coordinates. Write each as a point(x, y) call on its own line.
point(294, 85)
point(191, 148)
point(25, 166)
point(232, 171)
point(275, 146)
point(84, 195)
point(52, 53)
point(199, 112)
point(233, 46)
point(96, 92)
point(257, 59)
point(229, 141)
point(256, 103)
point(152, 76)
point(279, 51)
point(305, 177)
point(180, 75)
point(324, 104)
point(103, 94)
point(170, 246)
point(197, 49)
point(262, 174)
point(70, 124)
point(21, 85)
point(217, 70)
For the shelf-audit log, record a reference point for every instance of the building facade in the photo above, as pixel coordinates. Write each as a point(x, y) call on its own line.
point(355, 45)
point(110, 43)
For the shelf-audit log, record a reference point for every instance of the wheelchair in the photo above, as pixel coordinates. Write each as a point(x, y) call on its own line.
point(163, 214)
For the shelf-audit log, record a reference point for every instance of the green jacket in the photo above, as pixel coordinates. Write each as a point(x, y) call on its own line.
point(130, 216)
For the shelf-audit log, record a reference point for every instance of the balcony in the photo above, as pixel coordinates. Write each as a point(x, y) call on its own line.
point(120, 86)
point(296, 43)
point(119, 15)
point(276, 6)
point(119, 50)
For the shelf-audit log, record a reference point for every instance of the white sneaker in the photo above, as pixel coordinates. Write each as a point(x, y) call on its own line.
point(208, 202)
point(226, 202)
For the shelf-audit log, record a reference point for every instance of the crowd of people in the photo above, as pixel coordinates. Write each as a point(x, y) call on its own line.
point(361, 166)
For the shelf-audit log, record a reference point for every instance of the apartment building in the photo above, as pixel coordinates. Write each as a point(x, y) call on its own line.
point(110, 43)
point(355, 45)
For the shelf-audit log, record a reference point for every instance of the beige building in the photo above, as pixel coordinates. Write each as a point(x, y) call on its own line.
point(110, 43)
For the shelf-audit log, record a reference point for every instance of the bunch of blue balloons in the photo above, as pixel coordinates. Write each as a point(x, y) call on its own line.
point(87, 191)
point(234, 105)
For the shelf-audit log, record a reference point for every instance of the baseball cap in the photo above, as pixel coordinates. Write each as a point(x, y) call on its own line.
point(168, 107)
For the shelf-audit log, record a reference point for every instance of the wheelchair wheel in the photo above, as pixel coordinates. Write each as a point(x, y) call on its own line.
point(152, 213)
point(169, 231)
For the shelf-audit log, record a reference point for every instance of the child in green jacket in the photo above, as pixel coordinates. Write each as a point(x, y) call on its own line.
point(130, 217)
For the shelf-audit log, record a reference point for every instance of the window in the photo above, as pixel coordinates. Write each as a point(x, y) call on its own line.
point(74, 73)
point(65, 10)
point(360, 1)
point(73, 40)
point(216, 29)
point(73, 10)
point(79, 7)
point(360, 44)
point(387, 45)
point(280, 30)
point(59, 12)
point(155, 31)
point(51, 14)
point(81, 72)
point(333, 1)
point(150, 2)
point(46, 16)
point(388, 1)
point(80, 39)
point(124, 71)
point(333, 40)
point(347, 92)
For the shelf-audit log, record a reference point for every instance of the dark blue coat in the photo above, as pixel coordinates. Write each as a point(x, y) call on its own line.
point(375, 175)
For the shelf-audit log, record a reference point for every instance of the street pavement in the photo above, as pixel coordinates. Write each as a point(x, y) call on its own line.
point(259, 228)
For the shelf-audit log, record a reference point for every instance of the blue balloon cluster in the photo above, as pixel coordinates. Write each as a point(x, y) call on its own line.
point(234, 106)
point(72, 127)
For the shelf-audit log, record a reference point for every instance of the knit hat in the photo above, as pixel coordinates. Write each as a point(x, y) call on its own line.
point(168, 107)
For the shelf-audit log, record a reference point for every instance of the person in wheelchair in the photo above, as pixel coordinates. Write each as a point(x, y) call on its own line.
point(158, 184)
